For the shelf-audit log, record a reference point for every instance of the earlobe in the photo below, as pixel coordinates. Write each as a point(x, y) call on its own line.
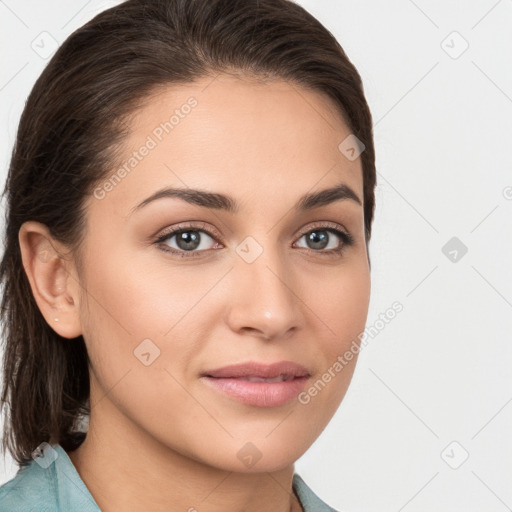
point(52, 278)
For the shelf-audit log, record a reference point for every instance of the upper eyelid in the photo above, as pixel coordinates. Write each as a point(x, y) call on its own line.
point(324, 225)
point(213, 233)
point(190, 227)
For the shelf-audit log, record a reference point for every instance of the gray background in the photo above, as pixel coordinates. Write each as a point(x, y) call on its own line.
point(433, 387)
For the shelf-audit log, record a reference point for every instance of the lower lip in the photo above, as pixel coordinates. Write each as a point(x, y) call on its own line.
point(260, 394)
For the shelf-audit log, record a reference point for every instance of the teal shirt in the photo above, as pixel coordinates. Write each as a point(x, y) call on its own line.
point(56, 486)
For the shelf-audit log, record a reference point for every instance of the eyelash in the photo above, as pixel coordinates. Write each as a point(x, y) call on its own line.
point(346, 238)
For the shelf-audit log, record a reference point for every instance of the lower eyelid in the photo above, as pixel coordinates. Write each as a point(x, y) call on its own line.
point(344, 237)
point(167, 236)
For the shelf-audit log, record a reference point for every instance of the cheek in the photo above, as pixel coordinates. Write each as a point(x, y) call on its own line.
point(342, 304)
point(133, 326)
point(135, 297)
point(140, 296)
point(159, 304)
point(342, 308)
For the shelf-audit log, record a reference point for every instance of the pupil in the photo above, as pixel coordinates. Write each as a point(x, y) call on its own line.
point(188, 240)
point(319, 239)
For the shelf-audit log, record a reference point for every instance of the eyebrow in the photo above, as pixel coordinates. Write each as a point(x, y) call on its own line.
point(223, 202)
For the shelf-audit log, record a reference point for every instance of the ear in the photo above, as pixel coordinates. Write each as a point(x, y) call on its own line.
point(52, 277)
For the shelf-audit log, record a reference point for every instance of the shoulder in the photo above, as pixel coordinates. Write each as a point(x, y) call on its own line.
point(31, 490)
point(48, 483)
point(309, 500)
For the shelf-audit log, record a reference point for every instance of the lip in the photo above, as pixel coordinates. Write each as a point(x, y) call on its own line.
point(255, 369)
point(232, 381)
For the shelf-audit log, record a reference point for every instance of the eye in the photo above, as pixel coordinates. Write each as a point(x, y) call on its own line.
point(327, 239)
point(192, 240)
point(187, 239)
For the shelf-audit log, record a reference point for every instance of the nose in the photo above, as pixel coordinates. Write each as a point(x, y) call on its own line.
point(264, 301)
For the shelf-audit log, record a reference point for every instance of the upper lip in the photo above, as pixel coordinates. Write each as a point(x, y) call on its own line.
point(255, 369)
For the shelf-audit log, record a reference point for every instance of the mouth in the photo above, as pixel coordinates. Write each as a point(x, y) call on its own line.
point(259, 384)
point(284, 370)
point(279, 378)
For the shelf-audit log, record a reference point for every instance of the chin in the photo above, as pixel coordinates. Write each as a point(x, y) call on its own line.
point(265, 454)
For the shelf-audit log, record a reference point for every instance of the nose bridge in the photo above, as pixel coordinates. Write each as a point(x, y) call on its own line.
point(264, 299)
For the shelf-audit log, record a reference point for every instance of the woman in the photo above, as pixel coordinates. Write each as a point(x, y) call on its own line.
point(189, 208)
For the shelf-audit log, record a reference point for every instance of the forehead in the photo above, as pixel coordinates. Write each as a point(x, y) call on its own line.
point(236, 135)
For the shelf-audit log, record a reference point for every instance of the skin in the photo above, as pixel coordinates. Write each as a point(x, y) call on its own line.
point(159, 438)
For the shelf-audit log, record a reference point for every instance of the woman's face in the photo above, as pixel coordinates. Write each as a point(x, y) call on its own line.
point(265, 281)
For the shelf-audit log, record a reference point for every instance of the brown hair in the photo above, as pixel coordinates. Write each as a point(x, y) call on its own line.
point(74, 118)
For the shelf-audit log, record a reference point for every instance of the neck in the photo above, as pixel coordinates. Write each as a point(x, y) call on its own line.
point(125, 469)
